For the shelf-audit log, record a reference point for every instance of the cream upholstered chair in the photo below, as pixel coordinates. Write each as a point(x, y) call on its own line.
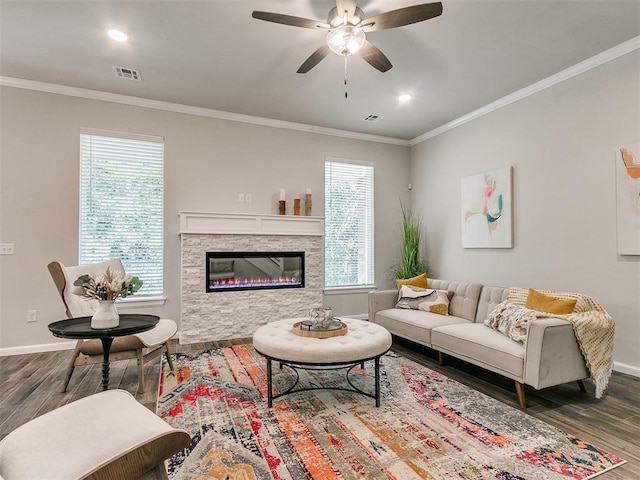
point(108, 435)
point(143, 346)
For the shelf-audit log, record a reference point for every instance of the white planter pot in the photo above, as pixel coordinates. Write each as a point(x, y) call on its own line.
point(106, 315)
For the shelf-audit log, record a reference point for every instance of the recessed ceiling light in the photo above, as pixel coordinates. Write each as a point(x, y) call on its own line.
point(117, 35)
point(404, 98)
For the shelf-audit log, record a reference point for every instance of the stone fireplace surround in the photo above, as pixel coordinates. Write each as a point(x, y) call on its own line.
point(226, 315)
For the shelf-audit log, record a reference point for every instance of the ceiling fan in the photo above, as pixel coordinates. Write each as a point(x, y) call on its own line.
point(346, 28)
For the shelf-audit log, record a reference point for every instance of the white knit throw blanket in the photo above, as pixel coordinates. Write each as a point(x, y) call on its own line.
point(594, 329)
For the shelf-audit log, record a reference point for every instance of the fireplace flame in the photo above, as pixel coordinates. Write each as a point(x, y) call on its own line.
point(230, 283)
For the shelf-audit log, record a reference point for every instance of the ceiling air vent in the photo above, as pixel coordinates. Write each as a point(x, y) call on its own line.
point(372, 118)
point(129, 73)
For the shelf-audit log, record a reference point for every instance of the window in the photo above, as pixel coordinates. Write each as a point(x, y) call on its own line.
point(348, 193)
point(121, 204)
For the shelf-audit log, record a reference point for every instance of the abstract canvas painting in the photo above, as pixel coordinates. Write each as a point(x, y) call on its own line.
point(628, 199)
point(486, 210)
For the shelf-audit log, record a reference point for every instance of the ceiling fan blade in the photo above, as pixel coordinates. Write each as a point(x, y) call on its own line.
point(402, 16)
point(348, 5)
point(289, 20)
point(314, 59)
point(374, 57)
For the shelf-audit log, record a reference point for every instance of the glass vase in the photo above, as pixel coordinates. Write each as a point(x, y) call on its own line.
point(321, 317)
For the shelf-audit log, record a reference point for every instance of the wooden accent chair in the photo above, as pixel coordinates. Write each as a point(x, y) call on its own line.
point(106, 436)
point(143, 346)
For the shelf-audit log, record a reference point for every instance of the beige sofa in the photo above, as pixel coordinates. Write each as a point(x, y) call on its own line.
point(550, 355)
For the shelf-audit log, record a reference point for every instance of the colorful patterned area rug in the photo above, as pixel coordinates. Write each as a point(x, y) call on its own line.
point(427, 427)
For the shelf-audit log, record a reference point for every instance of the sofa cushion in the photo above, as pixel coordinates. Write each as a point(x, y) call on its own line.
point(417, 281)
point(545, 303)
point(426, 299)
point(482, 346)
point(465, 299)
point(490, 297)
point(415, 325)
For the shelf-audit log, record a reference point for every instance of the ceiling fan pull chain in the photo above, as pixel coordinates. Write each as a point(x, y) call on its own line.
point(346, 95)
point(345, 77)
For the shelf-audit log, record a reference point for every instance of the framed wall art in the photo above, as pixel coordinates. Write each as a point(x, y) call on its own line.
point(628, 199)
point(486, 209)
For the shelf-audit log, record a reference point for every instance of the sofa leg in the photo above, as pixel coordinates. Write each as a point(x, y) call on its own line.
point(520, 392)
point(582, 387)
point(441, 358)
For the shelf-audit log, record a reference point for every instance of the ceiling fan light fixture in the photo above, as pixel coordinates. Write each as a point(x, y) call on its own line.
point(345, 40)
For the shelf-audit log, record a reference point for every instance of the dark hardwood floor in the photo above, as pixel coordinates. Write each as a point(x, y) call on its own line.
point(30, 384)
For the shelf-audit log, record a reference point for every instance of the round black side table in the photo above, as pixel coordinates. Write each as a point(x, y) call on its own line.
point(79, 328)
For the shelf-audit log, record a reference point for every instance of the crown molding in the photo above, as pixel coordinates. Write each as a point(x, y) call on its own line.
point(577, 69)
point(584, 66)
point(190, 110)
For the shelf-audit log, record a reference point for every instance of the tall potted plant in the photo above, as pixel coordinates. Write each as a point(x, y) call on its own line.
point(411, 262)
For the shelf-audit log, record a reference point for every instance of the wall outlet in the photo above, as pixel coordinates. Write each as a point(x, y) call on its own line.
point(247, 197)
point(7, 248)
point(32, 315)
point(241, 197)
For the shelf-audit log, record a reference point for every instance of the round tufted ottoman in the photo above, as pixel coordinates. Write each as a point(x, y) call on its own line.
point(363, 341)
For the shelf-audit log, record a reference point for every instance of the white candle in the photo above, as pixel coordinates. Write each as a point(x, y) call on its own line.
point(282, 194)
point(308, 191)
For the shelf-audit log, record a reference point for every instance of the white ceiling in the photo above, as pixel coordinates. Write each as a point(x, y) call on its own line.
point(212, 54)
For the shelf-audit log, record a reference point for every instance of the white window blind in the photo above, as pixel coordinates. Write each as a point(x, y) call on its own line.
point(348, 224)
point(121, 205)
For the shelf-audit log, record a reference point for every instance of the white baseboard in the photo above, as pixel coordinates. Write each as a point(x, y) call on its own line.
point(628, 369)
point(360, 316)
point(45, 347)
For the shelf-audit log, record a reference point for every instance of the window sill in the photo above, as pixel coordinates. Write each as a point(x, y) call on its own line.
point(137, 302)
point(348, 290)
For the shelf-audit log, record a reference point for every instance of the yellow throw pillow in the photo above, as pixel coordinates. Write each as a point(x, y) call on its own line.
point(419, 281)
point(544, 303)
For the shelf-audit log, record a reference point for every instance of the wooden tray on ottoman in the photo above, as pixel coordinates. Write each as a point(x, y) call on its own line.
point(336, 329)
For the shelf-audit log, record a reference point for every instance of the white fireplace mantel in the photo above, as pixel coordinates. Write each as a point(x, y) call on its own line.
point(239, 223)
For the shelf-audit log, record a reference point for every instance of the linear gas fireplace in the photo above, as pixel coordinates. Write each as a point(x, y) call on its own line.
point(231, 271)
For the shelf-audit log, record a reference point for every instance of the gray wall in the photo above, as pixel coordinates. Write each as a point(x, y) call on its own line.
point(561, 144)
point(207, 163)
